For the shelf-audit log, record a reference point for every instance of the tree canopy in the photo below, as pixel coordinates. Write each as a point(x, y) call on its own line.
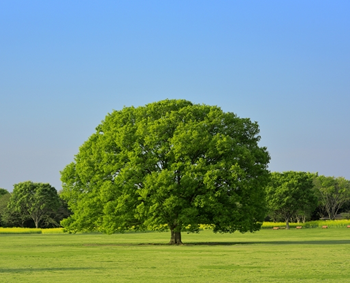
point(36, 200)
point(4, 199)
point(168, 165)
point(10, 217)
point(289, 193)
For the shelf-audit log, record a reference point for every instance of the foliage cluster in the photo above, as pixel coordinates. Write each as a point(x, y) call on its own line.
point(333, 194)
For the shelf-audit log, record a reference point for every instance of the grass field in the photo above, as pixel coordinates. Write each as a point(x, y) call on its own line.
point(309, 255)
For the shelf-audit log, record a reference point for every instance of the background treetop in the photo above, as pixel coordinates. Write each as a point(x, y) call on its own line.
point(3, 192)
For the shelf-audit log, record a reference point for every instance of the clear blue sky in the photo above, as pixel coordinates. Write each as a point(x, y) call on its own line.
point(65, 64)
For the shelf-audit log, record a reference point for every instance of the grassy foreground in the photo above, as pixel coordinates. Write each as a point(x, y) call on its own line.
point(309, 255)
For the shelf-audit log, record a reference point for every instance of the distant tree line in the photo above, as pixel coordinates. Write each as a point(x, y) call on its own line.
point(300, 196)
point(32, 205)
point(290, 196)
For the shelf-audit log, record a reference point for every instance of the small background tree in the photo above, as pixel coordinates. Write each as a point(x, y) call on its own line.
point(290, 194)
point(333, 193)
point(34, 200)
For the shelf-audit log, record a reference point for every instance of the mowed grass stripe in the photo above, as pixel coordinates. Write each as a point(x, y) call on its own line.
point(309, 255)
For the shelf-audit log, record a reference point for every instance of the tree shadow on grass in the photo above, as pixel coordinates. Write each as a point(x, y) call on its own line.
point(41, 269)
point(316, 242)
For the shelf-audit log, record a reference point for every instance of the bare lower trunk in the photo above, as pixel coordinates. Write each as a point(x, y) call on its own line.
point(175, 238)
point(36, 218)
point(331, 215)
point(287, 223)
point(332, 212)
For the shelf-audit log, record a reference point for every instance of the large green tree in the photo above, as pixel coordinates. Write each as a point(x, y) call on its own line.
point(168, 165)
point(290, 193)
point(333, 193)
point(36, 200)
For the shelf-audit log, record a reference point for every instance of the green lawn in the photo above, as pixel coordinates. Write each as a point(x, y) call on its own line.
point(307, 255)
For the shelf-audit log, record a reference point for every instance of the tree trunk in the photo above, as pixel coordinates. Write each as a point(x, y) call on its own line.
point(331, 213)
point(175, 238)
point(287, 223)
